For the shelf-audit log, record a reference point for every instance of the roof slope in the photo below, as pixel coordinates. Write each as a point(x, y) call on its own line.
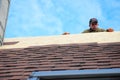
point(101, 37)
point(19, 63)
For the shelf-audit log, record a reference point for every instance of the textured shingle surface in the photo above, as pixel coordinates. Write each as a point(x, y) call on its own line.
point(18, 64)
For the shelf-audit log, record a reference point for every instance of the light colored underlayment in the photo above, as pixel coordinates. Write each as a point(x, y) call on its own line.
point(101, 37)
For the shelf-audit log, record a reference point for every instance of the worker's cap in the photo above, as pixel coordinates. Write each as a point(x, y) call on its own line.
point(93, 20)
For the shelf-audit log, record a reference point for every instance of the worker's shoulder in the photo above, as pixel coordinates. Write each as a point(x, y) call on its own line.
point(86, 31)
point(100, 30)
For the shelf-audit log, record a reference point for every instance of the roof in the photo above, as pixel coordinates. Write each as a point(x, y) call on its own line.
point(101, 37)
point(19, 57)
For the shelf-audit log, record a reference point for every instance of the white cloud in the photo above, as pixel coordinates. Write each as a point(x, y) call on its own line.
point(29, 16)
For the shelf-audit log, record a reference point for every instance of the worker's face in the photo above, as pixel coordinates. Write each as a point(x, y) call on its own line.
point(93, 26)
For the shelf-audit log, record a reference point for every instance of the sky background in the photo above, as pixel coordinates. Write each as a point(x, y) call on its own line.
point(28, 18)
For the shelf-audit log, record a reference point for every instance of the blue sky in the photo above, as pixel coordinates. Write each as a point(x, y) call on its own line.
point(28, 18)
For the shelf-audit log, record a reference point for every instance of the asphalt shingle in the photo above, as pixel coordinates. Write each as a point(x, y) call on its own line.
point(18, 64)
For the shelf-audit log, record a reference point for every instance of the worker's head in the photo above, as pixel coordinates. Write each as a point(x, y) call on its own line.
point(93, 23)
